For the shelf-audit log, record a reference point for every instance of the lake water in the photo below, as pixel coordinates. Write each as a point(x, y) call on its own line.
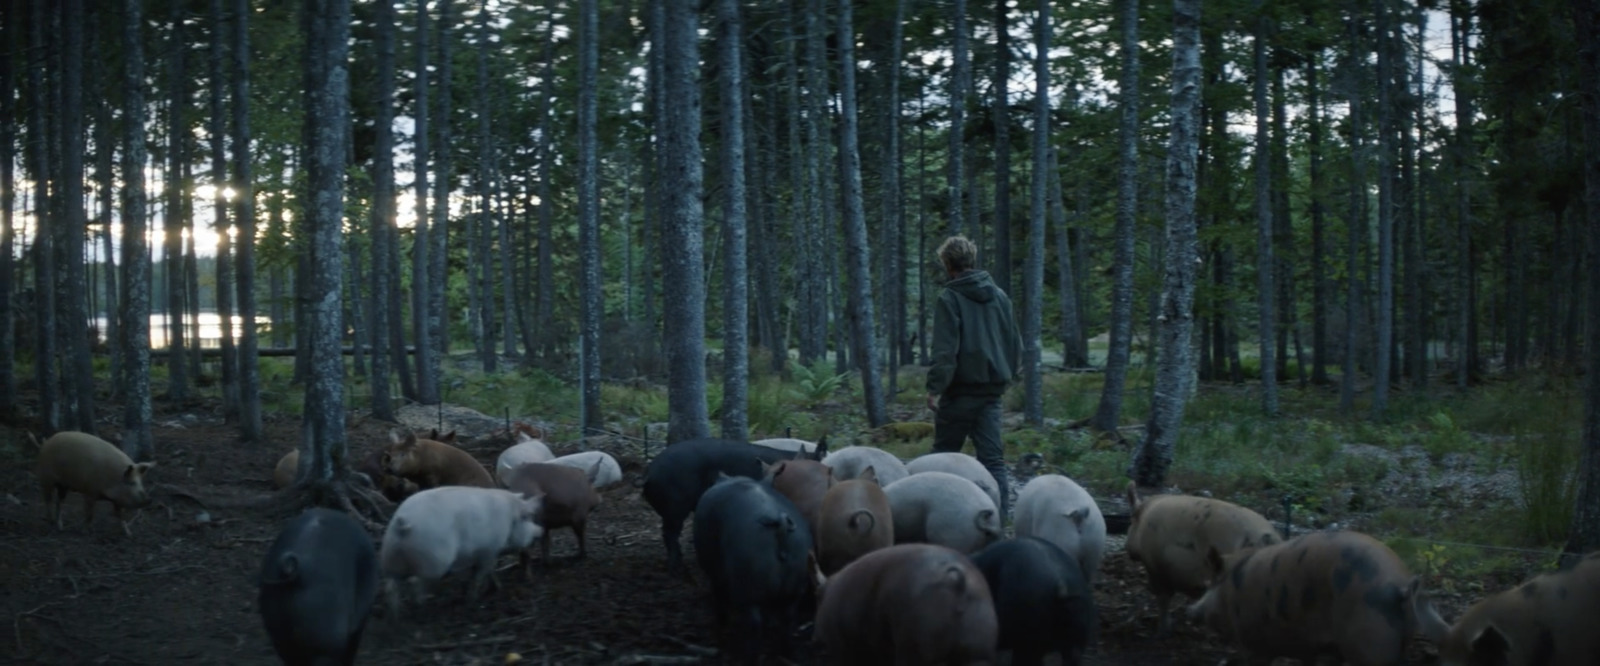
point(208, 330)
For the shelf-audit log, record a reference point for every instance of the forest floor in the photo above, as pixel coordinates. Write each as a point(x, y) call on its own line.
point(182, 588)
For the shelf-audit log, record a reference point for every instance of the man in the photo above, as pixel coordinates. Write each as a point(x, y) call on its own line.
point(976, 354)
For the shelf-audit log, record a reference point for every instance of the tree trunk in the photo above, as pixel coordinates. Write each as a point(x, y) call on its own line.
point(1043, 176)
point(683, 251)
point(735, 303)
point(893, 206)
point(438, 323)
point(38, 165)
point(136, 440)
point(1074, 344)
point(482, 259)
point(1108, 415)
point(855, 225)
point(1319, 270)
point(1174, 368)
point(810, 228)
point(1002, 149)
point(546, 297)
point(1413, 206)
point(1584, 535)
point(1264, 263)
point(958, 107)
point(173, 215)
point(1355, 223)
point(1283, 254)
point(98, 30)
point(245, 218)
point(322, 443)
point(759, 146)
point(421, 236)
point(384, 323)
point(1466, 359)
point(655, 204)
point(1386, 149)
point(219, 177)
point(590, 285)
point(9, 23)
point(76, 326)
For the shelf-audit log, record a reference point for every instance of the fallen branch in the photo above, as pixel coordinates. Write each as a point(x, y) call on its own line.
point(16, 622)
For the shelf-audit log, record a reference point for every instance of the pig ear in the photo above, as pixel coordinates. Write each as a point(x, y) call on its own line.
point(869, 474)
point(449, 437)
point(770, 472)
point(288, 566)
point(1429, 624)
point(1490, 646)
point(822, 448)
point(395, 438)
point(143, 467)
point(1077, 515)
point(1214, 563)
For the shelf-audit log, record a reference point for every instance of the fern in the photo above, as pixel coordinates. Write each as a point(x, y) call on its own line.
point(815, 384)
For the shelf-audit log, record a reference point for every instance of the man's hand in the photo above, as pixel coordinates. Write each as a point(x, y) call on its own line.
point(933, 402)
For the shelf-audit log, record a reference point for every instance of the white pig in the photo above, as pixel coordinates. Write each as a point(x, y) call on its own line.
point(454, 528)
point(849, 462)
point(959, 464)
point(526, 450)
point(1057, 509)
point(602, 469)
point(804, 448)
point(942, 508)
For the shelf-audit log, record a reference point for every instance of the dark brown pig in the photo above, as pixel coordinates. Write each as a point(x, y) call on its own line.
point(1172, 534)
point(568, 499)
point(804, 482)
point(82, 463)
point(854, 520)
point(283, 473)
point(907, 604)
point(431, 464)
point(1547, 620)
point(396, 488)
point(1339, 594)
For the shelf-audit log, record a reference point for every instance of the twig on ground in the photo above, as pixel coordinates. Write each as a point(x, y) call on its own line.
point(453, 645)
point(16, 622)
point(633, 659)
point(697, 649)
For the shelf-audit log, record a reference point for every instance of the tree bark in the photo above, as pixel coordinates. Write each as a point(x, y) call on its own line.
point(1174, 369)
point(245, 218)
point(958, 107)
point(1319, 270)
point(811, 225)
point(438, 323)
point(735, 297)
point(1074, 344)
point(1355, 222)
point(75, 227)
point(173, 216)
point(683, 249)
point(546, 297)
point(1386, 149)
point(9, 22)
point(1264, 262)
point(219, 179)
point(1283, 254)
point(1107, 416)
point(383, 205)
point(855, 225)
point(38, 166)
point(136, 440)
point(322, 441)
point(482, 258)
point(1002, 149)
point(1460, 84)
point(1043, 176)
point(421, 236)
point(589, 215)
point(98, 32)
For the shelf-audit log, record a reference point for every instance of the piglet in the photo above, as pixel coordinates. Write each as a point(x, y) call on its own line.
point(1547, 620)
point(318, 581)
point(1342, 594)
point(1171, 534)
point(854, 520)
point(907, 604)
point(453, 528)
point(568, 499)
point(431, 463)
point(1057, 509)
point(79, 462)
point(942, 508)
point(849, 462)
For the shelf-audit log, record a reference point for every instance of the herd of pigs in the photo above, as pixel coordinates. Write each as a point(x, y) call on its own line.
point(878, 559)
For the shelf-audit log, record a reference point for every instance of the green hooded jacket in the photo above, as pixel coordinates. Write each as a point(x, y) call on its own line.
point(976, 348)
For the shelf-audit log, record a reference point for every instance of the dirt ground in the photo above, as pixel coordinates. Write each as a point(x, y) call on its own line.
point(181, 589)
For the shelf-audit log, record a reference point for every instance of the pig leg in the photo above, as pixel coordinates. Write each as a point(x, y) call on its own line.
point(671, 530)
point(391, 589)
point(117, 510)
point(482, 573)
point(88, 509)
point(583, 543)
point(1164, 609)
point(544, 549)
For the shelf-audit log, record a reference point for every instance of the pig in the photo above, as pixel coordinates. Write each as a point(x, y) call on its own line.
point(395, 488)
point(907, 604)
point(318, 582)
point(959, 464)
point(854, 520)
point(804, 482)
point(1171, 534)
point(283, 473)
point(753, 545)
point(1339, 594)
point(808, 450)
point(1547, 620)
point(1041, 599)
point(568, 499)
point(848, 463)
point(525, 450)
point(79, 462)
point(674, 480)
point(1056, 509)
point(454, 528)
point(942, 508)
point(602, 469)
point(431, 464)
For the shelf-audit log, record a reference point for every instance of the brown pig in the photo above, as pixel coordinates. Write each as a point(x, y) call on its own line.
point(1339, 594)
point(854, 520)
point(431, 464)
point(396, 488)
point(1172, 534)
point(82, 463)
point(283, 474)
point(1547, 620)
point(914, 603)
point(804, 482)
point(568, 499)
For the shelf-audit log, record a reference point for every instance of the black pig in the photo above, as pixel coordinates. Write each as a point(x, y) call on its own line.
point(317, 585)
point(675, 480)
point(752, 543)
point(1041, 599)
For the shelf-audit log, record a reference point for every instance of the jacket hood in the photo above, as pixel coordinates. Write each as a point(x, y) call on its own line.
point(974, 286)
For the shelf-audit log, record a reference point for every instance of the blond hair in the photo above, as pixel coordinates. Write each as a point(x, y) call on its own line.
point(958, 254)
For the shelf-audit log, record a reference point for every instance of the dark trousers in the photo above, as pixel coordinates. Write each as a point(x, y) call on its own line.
point(977, 417)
